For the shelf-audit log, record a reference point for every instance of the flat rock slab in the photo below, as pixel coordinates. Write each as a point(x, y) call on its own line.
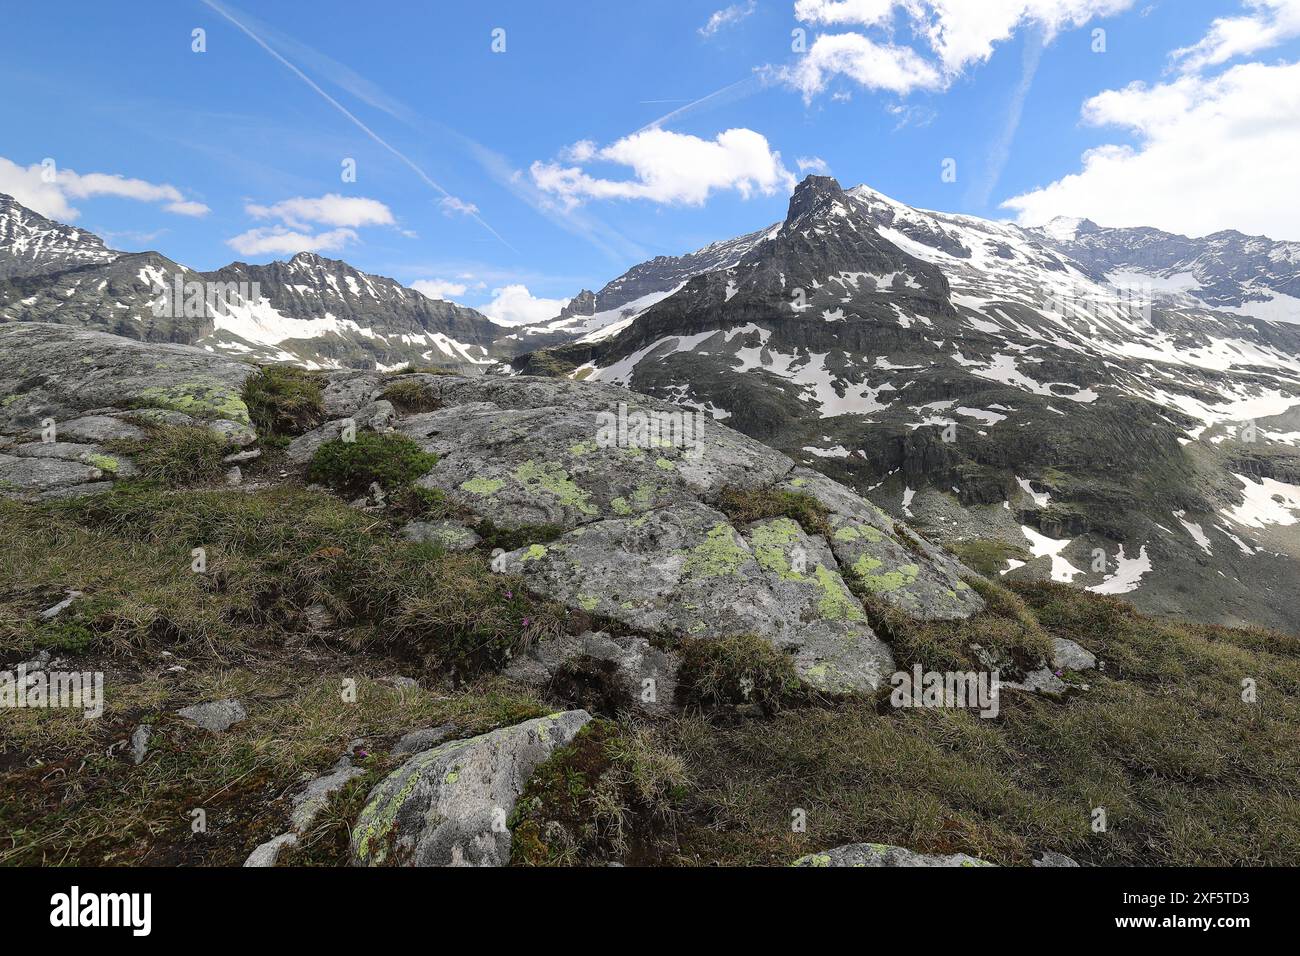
point(881, 854)
point(448, 806)
point(680, 570)
point(564, 466)
point(23, 477)
point(217, 716)
point(449, 535)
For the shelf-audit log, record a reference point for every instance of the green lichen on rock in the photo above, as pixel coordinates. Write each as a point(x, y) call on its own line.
point(199, 399)
point(859, 532)
point(773, 542)
point(718, 555)
point(535, 552)
point(903, 577)
point(835, 602)
point(482, 486)
point(554, 480)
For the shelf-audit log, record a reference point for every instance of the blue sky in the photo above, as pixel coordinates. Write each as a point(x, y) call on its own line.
point(582, 148)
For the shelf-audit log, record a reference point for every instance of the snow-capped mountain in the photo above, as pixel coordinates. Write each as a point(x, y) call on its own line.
point(30, 244)
point(592, 316)
point(1049, 415)
point(1249, 275)
point(316, 311)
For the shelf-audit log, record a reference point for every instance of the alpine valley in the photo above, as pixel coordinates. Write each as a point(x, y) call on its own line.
point(1118, 409)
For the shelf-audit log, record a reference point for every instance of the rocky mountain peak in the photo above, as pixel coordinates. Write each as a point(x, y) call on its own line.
point(31, 245)
point(810, 194)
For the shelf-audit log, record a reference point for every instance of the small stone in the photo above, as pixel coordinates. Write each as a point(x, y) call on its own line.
point(308, 803)
point(234, 476)
point(140, 743)
point(52, 612)
point(216, 716)
point(1052, 858)
point(268, 852)
point(1067, 655)
point(884, 855)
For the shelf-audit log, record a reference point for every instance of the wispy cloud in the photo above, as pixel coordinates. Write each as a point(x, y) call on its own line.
point(728, 17)
point(424, 177)
point(49, 190)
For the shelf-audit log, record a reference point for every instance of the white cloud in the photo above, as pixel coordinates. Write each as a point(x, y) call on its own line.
point(48, 190)
point(329, 210)
point(728, 16)
point(813, 164)
point(1270, 23)
point(440, 288)
point(877, 66)
point(958, 32)
point(515, 305)
point(279, 240)
point(1213, 154)
point(672, 168)
point(452, 206)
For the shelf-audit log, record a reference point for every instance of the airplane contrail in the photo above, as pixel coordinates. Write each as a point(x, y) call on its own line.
point(749, 81)
point(359, 124)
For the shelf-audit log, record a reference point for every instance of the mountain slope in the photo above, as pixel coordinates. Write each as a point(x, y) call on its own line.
point(30, 244)
point(316, 311)
point(978, 381)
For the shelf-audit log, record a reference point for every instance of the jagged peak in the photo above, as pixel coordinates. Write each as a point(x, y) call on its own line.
point(810, 193)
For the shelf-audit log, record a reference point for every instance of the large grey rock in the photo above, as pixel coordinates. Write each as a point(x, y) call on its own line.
point(881, 854)
point(58, 371)
point(833, 646)
point(645, 677)
point(681, 570)
point(1068, 655)
point(448, 806)
point(217, 716)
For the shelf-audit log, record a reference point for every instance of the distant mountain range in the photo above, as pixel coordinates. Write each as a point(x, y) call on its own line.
point(1117, 408)
point(317, 311)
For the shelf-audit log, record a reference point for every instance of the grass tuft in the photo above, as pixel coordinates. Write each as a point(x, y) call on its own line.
point(350, 467)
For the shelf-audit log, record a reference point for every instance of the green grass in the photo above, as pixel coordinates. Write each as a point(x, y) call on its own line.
point(987, 556)
point(736, 670)
point(175, 455)
point(269, 555)
point(743, 506)
point(350, 467)
point(284, 400)
point(411, 395)
point(86, 804)
point(607, 792)
point(1187, 772)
